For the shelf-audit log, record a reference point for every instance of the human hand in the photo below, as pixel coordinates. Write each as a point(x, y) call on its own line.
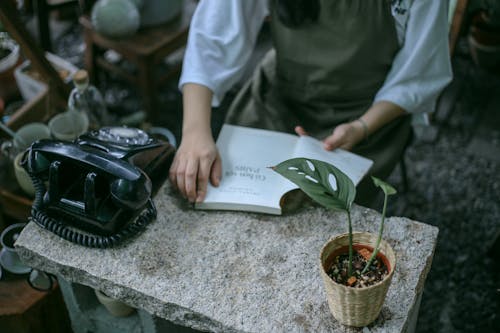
point(345, 136)
point(196, 161)
point(300, 130)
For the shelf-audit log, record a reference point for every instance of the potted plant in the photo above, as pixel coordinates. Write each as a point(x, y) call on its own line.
point(356, 267)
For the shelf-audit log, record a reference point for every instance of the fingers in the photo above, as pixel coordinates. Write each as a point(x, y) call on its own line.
point(172, 174)
point(300, 130)
point(344, 136)
point(332, 145)
point(341, 137)
point(334, 141)
point(190, 179)
point(216, 172)
point(192, 168)
point(177, 175)
point(203, 175)
point(188, 176)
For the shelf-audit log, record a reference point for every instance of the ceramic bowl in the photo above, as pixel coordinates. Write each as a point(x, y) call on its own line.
point(22, 176)
point(67, 126)
point(9, 259)
point(25, 136)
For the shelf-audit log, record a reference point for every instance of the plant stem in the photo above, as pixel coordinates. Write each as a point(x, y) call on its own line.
point(380, 232)
point(349, 266)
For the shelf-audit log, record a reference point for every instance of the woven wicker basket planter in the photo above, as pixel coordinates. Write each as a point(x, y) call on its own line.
point(355, 306)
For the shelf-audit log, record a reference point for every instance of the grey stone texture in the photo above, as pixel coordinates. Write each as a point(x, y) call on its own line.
point(88, 315)
point(237, 272)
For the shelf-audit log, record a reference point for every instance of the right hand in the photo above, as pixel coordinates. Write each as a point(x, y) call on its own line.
point(345, 136)
point(196, 161)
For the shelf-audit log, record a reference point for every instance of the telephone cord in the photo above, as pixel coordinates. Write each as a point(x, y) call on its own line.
point(93, 241)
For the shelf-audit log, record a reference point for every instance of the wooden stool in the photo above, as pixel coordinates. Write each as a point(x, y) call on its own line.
point(145, 49)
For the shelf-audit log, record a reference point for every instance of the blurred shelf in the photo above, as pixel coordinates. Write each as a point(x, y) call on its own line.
point(26, 310)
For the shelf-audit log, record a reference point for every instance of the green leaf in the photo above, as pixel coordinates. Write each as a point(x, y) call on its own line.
point(388, 189)
point(315, 178)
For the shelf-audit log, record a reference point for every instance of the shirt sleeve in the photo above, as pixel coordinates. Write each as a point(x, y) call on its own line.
point(422, 67)
point(221, 39)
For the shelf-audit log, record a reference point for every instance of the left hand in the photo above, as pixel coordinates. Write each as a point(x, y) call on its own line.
point(344, 136)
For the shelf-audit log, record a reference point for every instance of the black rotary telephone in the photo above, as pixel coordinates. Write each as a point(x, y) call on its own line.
point(97, 190)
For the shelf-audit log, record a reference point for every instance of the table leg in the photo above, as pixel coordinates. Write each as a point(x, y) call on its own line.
point(42, 14)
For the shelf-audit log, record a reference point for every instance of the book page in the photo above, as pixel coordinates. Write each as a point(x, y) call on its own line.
point(247, 154)
point(353, 165)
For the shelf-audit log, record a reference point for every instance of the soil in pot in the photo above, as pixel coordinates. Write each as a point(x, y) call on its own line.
point(337, 270)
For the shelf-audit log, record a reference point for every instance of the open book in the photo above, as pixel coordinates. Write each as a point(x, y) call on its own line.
point(248, 184)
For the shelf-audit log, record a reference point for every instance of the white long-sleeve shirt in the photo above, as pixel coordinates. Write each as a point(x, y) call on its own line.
point(223, 34)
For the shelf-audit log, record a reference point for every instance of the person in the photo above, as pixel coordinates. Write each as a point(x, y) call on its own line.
point(349, 72)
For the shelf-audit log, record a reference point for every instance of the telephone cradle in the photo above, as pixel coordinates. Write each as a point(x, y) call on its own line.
point(97, 190)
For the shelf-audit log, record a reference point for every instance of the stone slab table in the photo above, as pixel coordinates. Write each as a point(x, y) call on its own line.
point(237, 272)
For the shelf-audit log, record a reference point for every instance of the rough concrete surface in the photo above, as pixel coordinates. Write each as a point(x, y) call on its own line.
point(236, 272)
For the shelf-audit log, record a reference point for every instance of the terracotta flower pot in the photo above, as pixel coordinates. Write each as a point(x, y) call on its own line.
point(355, 306)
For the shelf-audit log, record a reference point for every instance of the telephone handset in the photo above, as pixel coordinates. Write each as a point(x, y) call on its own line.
point(94, 184)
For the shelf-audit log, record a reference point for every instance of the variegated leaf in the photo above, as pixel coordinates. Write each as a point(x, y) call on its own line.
point(321, 181)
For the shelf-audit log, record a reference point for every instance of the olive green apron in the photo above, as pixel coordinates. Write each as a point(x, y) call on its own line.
point(326, 73)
